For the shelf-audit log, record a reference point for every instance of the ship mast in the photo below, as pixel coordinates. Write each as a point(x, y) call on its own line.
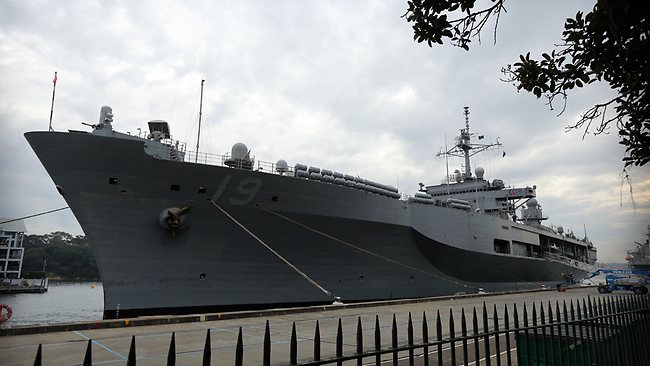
point(464, 147)
point(198, 137)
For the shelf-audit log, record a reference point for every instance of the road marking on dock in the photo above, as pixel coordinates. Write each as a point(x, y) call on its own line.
point(100, 345)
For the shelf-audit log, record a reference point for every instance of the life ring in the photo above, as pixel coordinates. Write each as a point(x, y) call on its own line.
point(5, 316)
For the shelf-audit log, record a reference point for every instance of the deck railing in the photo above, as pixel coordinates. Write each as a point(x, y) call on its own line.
point(597, 331)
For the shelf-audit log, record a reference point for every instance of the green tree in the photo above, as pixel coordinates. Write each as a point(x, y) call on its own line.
point(68, 258)
point(609, 44)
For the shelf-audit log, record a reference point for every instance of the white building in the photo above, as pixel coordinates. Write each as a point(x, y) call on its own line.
point(11, 248)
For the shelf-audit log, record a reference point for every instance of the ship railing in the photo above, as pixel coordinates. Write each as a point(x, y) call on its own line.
point(170, 141)
point(221, 159)
point(608, 330)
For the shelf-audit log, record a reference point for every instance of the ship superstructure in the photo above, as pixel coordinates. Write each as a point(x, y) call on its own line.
point(175, 231)
point(639, 258)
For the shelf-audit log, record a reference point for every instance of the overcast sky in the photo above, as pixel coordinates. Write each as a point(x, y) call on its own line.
point(335, 84)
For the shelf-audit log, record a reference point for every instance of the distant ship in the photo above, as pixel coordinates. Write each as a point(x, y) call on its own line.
point(639, 258)
point(176, 232)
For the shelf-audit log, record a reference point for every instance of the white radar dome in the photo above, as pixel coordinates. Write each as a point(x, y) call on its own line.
point(531, 203)
point(479, 172)
point(281, 166)
point(239, 151)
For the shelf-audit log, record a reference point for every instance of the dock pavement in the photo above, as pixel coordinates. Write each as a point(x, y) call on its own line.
point(65, 344)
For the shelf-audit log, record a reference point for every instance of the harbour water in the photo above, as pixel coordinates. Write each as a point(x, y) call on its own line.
point(63, 302)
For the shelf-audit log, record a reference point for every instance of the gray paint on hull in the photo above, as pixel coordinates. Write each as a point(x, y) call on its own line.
point(143, 267)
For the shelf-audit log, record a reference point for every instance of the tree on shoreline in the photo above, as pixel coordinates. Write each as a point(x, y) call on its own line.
point(68, 257)
point(609, 44)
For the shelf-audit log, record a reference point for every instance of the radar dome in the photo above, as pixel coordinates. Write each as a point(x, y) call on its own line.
point(239, 151)
point(281, 166)
point(531, 203)
point(560, 229)
point(479, 172)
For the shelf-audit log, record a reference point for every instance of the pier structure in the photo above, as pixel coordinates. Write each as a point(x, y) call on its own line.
point(511, 328)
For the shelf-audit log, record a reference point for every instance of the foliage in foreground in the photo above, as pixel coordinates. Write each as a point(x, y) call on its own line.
point(609, 44)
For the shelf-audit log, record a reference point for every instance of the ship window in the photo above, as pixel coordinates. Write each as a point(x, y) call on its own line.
point(202, 190)
point(112, 181)
point(175, 187)
point(274, 198)
point(501, 246)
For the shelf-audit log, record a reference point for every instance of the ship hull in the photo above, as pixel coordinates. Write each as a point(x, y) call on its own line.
point(257, 240)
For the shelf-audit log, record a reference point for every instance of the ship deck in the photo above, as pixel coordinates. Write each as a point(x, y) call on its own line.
point(65, 344)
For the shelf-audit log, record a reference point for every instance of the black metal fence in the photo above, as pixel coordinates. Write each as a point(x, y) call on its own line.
point(600, 331)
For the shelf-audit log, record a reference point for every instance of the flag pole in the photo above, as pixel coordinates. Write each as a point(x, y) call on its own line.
point(52, 107)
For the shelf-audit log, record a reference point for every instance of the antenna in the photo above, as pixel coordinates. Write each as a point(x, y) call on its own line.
point(198, 137)
point(447, 164)
point(52, 107)
point(464, 147)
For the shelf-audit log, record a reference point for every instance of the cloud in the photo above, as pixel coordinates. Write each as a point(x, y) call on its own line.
point(334, 84)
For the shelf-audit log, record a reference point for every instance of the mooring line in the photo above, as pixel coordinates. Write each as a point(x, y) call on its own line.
point(50, 211)
point(367, 251)
point(304, 275)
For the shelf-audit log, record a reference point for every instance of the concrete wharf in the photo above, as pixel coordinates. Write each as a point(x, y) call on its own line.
point(65, 344)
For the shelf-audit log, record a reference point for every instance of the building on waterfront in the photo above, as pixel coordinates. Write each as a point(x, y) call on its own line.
point(11, 248)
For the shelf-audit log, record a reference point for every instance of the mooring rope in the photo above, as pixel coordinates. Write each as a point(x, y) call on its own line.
point(35, 215)
point(303, 274)
point(50, 211)
point(369, 252)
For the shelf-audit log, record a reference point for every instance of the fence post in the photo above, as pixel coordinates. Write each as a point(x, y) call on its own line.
point(171, 354)
point(452, 336)
point(542, 318)
point(317, 342)
point(394, 340)
point(629, 323)
point(602, 331)
point(439, 337)
point(620, 333)
point(529, 362)
point(590, 317)
point(377, 340)
point(339, 344)
point(475, 330)
point(239, 350)
point(293, 348)
point(38, 361)
point(266, 358)
point(207, 350)
point(463, 332)
point(409, 335)
point(517, 331)
point(538, 359)
point(131, 359)
point(506, 324)
point(359, 342)
point(88, 358)
point(552, 331)
point(497, 345)
point(558, 321)
point(486, 336)
point(425, 338)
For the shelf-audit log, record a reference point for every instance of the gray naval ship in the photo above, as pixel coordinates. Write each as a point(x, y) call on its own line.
point(179, 232)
